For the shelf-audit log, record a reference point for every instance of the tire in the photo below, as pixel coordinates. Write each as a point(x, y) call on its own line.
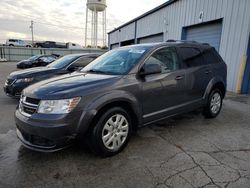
point(106, 137)
point(11, 45)
point(214, 104)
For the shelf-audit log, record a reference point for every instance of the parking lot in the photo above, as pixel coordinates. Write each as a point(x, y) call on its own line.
point(186, 151)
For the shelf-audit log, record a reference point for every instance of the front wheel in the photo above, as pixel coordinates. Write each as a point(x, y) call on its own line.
point(111, 133)
point(214, 104)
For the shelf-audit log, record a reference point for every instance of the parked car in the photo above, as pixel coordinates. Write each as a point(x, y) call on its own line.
point(50, 44)
point(17, 42)
point(122, 90)
point(18, 80)
point(36, 61)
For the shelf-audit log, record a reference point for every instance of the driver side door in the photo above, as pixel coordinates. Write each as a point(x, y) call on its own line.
point(163, 92)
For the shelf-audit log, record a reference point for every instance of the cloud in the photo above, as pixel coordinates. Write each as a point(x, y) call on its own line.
point(62, 20)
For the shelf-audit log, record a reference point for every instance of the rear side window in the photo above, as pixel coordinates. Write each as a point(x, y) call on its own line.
point(191, 57)
point(211, 56)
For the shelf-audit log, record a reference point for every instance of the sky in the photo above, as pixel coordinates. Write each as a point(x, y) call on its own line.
point(62, 20)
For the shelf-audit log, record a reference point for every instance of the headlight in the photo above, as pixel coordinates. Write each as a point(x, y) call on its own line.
point(64, 106)
point(26, 80)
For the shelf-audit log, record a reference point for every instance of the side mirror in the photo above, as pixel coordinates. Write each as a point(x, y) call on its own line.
point(73, 68)
point(148, 69)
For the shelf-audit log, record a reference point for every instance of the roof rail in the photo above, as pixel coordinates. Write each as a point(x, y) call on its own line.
point(207, 44)
point(187, 41)
point(173, 40)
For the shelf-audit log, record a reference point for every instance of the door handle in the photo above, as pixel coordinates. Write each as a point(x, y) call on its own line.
point(178, 77)
point(208, 71)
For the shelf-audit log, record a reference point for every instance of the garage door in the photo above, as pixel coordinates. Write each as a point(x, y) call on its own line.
point(205, 33)
point(151, 39)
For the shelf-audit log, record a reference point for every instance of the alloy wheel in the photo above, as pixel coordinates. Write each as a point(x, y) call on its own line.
point(115, 132)
point(215, 103)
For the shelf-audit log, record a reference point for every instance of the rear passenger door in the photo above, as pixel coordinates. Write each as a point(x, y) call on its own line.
point(198, 72)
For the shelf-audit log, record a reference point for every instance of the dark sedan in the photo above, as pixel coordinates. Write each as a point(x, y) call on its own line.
point(19, 80)
point(37, 61)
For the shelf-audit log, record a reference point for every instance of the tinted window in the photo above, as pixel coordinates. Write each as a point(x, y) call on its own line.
point(47, 59)
point(33, 57)
point(63, 62)
point(83, 61)
point(192, 57)
point(211, 56)
point(166, 58)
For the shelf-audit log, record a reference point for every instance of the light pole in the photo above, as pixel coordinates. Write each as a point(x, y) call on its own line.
point(32, 31)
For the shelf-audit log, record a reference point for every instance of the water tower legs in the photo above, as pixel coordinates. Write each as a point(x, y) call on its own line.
point(104, 27)
point(94, 33)
point(86, 27)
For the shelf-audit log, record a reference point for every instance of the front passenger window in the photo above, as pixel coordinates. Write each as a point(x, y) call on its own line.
point(166, 58)
point(82, 62)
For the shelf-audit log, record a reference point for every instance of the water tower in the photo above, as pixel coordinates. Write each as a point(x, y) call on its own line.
point(97, 10)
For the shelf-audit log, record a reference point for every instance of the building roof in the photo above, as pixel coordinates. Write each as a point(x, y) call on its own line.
point(144, 15)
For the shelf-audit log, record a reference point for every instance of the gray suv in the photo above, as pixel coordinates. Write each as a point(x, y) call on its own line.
point(120, 91)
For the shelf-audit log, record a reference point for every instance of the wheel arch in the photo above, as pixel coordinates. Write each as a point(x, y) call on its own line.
point(115, 99)
point(126, 105)
point(218, 83)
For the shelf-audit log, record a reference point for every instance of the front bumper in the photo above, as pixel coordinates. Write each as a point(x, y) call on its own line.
point(47, 133)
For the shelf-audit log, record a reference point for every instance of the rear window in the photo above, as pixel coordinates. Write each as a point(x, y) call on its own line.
point(192, 57)
point(211, 56)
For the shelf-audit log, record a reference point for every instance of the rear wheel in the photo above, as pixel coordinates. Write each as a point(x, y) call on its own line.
point(214, 104)
point(111, 133)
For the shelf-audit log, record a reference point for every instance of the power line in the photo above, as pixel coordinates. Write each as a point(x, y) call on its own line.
point(61, 26)
point(49, 24)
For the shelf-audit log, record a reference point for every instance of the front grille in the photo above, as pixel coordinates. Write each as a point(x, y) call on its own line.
point(29, 110)
point(32, 100)
point(28, 106)
point(10, 81)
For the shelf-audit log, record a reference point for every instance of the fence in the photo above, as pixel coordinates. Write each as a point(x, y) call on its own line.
point(20, 53)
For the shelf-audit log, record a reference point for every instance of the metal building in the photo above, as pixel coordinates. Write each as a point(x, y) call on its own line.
point(224, 24)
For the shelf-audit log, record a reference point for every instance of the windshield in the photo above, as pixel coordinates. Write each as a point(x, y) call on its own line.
point(34, 57)
point(63, 61)
point(117, 62)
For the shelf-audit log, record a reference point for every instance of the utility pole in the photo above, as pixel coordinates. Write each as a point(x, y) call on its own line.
point(32, 31)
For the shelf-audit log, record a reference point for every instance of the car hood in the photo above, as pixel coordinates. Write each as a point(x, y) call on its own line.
point(24, 62)
point(69, 85)
point(32, 72)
